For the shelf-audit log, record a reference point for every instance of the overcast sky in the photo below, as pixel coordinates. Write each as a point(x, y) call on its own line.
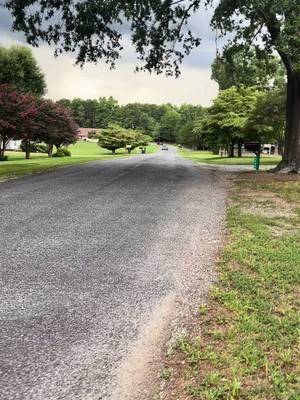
point(64, 80)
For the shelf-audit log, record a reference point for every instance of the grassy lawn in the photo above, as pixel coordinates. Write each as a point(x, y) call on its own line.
point(81, 152)
point(210, 158)
point(246, 344)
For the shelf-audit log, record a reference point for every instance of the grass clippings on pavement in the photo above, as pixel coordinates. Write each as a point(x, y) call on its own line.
point(247, 344)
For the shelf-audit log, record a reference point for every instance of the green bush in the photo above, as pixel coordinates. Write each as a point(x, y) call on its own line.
point(42, 148)
point(65, 151)
point(59, 153)
point(4, 158)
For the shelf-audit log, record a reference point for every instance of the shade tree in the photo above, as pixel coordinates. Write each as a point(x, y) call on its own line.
point(33, 119)
point(112, 138)
point(116, 137)
point(19, 68)
point(244, 67)
point(17, 117)
point(267, 120)
point(55, 126)
point(226, 122)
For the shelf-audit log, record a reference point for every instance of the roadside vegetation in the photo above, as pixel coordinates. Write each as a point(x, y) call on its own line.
point(246, 344)
point(208, 157)
point(81, 152)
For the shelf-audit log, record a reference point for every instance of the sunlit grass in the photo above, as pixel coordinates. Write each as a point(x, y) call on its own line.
point(210, 158)
point(246, 346)
point(81, 152)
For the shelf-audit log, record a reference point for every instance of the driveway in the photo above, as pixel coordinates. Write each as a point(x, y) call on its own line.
point(89, 254)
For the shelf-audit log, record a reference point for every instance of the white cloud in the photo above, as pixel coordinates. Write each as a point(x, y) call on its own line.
point(64, 80)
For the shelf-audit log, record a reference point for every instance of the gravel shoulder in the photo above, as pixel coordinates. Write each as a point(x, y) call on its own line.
point(96, 258)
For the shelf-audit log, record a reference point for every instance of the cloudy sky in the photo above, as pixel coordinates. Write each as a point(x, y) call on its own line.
point(64, 80)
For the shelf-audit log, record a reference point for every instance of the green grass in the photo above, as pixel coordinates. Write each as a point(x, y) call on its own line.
point(247, 346)
point(210, 158)
point(81, 152)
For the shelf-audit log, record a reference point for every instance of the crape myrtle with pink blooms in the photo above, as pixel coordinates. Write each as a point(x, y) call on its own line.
point(33, 119)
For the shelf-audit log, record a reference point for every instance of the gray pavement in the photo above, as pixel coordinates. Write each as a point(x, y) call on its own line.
point(87, 253)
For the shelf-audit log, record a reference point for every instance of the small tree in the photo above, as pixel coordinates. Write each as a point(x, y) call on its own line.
point(113, 138)
point(136, 138)
point(17, 117)
point(55, 126)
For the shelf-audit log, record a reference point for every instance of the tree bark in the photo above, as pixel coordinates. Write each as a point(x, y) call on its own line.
point(280, 142)
point(2, 148)
point(239, 149)
point(50, 150)
point(291, 155)
point(3, 144)
point(27, 149)
point(231, 150)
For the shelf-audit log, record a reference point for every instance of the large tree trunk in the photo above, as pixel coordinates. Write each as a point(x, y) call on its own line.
point(240, 149)
point(50, 150)
point(3, 144)
point(231, 150)
point(280, 142)
point(27, 149)
point(2, 148)
point(291, 155)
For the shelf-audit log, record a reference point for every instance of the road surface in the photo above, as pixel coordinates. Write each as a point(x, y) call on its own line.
point(87, 253)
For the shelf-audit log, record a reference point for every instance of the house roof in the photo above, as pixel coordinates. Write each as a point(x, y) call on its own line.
point(83, 132)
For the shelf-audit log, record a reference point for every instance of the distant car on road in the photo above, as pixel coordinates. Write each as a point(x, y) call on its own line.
point(164, 147)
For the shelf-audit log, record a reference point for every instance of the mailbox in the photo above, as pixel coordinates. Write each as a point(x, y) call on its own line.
point(254, 147)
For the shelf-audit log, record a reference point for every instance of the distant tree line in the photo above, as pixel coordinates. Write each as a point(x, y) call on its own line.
point(164, 122)
point(250, 106)
point(239, 113)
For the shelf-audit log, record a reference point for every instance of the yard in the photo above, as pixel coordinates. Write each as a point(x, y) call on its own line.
point(245, 344)
point(208, 157)
point(81, 152)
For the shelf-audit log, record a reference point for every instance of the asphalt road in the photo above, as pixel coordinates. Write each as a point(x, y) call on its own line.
point(87, 253)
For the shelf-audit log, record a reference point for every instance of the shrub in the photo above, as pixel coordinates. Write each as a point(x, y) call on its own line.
point(65, 151)
point(42, 148)
point(3, 158)
point(59, 153)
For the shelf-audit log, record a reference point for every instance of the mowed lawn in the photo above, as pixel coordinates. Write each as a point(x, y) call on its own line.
point(244, 343)
point(81, 152)
point(210, 158)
